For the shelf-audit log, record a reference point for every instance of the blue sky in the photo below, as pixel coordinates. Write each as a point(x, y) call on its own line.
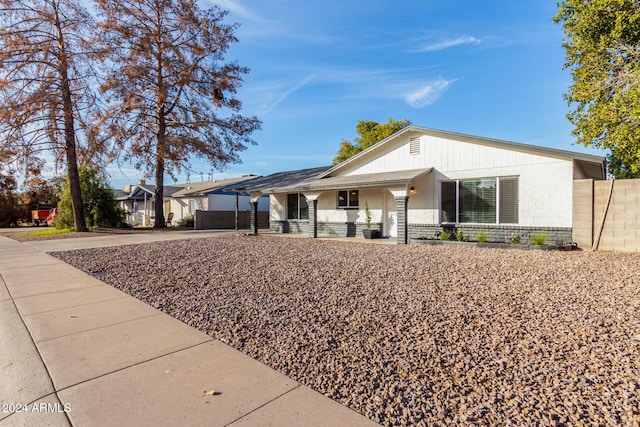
point(486, 68)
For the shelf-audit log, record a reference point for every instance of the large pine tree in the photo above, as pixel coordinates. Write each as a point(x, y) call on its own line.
point(45, 88)
point(170, 91)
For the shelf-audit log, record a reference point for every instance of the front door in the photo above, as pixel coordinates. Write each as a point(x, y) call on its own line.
point(390, 215)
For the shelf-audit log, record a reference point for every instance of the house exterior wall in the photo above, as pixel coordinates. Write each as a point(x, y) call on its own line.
point(227, 202)
point(545, 183)
point(180, 209)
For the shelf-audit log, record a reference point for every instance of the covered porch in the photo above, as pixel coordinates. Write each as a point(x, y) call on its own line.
point(335, 207)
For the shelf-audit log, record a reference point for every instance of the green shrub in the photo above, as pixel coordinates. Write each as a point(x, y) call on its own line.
point(539, 239)
point(11, 208)
point(482, 237)
point(101, 208)
point(514, 239)
point(187, 221)
point(445, 235)
point(459, 236)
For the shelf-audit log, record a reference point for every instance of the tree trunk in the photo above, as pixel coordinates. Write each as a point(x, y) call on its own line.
point(69, 135)
point(159, 196)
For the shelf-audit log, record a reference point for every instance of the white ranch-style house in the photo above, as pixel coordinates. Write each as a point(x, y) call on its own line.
point(420, 181)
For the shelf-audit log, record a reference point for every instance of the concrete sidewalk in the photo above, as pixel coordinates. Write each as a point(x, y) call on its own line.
point(75, 351)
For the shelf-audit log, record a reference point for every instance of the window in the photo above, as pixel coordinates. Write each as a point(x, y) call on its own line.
point(479, 201)
point(297, 207)
point(448, 202)
point(348, 199)
point(509, 200)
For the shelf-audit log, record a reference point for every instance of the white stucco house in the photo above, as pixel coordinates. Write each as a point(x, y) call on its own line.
point(420, 181)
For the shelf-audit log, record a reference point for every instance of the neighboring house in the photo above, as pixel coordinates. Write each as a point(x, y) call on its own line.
point(210, 196)
point(184, 200)
point(138, 202)
point(420, 181)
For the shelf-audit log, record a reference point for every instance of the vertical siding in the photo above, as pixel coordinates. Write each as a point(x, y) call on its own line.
point(545, 182)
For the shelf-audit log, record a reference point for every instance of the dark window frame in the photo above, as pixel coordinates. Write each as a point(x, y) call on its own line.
point(348, 197)
point(505, 211)
point(300, 208)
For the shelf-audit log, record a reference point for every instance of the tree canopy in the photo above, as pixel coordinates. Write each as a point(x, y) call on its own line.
point(45, 87)
point(603, 53)
point(171, 94)
point(370, 133)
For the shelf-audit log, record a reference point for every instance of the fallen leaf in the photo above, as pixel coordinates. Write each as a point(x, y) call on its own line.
point(209, 393)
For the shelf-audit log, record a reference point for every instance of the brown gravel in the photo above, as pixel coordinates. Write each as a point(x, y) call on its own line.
point(410, 334)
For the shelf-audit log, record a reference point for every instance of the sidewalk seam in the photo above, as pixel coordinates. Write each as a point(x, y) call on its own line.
point(100, 327)
point(46, 368)
point(71, 306)
point(57, 292)
point(136, 364)
point(264, 404)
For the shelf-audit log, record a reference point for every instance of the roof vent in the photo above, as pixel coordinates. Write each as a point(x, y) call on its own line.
point(414, 146)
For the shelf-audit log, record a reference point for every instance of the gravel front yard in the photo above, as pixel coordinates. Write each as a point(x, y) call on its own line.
point(409, 334)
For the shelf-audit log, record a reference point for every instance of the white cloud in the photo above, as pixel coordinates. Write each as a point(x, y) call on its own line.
point(236, 8)
point(447, 43)
point(288, 92)
point(428, 93)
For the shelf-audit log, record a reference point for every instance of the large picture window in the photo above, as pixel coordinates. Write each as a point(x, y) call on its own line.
point(479, 201)
point(297, 207)
point(348, 199)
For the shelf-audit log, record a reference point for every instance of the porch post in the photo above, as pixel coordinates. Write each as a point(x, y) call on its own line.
point(313, 218)
point(236, 216)
point(401, 207)
point(254, 217)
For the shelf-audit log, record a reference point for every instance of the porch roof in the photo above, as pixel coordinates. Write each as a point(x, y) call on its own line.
point(345, 182)
point(275, 182)
point(199, 189)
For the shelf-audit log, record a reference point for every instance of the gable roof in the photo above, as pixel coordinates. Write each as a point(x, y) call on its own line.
point(497, 143)
point(139, 191)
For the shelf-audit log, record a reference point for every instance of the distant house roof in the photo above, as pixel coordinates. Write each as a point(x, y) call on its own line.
point(142, 191)
point(208, 187)
point(278, 181)
point(118, 194)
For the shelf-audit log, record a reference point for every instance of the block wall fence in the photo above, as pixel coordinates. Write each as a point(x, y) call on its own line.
point(620, 212)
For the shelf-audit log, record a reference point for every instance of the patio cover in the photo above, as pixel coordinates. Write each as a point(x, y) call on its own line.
point(345, 182)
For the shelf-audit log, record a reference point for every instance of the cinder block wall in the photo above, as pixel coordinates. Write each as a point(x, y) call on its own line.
point(213, 220)
point(621, 229)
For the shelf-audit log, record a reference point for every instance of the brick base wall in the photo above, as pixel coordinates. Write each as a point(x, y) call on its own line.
point(338, 229)
point(495, 233)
